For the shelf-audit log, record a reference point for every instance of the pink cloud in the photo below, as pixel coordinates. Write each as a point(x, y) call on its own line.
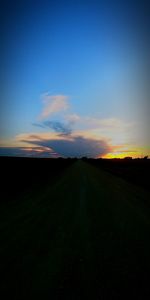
point(53, 104)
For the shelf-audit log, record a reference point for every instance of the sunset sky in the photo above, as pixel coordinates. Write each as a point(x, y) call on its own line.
point(74, 78)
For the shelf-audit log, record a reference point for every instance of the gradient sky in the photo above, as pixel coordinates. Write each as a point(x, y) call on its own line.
point(74, 78)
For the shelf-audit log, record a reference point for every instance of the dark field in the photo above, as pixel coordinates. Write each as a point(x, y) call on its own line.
point(136, 171)
point(21, 175)
point(70, 230)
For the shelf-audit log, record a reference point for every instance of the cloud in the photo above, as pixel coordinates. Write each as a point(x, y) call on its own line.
point(59, 127)
point(98, 123)
point(101, 125)
point(72, 118)
point(74, 146)
point(53, 104)
point(70, 122)
point(27, 152)
point(73, 135)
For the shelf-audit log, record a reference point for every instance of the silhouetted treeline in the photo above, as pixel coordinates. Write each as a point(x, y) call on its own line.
point(136, 171)
point(19, 175)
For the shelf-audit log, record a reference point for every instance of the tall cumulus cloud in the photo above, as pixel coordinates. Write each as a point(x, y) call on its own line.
point(77, 146)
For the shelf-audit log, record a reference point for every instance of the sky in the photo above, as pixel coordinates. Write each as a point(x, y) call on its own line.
point(74, 78)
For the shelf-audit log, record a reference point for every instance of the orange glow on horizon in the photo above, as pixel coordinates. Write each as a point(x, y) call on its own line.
point(134, 154)
point(121, 155)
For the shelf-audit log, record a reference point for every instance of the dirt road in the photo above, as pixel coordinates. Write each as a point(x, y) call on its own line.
point(87, 236)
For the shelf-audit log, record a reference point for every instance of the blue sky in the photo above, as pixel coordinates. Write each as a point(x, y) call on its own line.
point(88, 51)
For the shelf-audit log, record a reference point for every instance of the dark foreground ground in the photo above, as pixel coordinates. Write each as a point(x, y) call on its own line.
point(136, 171)
point(83, 235)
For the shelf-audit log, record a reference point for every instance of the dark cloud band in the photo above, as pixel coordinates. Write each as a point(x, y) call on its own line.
point(74, 147)
point(59, 127)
